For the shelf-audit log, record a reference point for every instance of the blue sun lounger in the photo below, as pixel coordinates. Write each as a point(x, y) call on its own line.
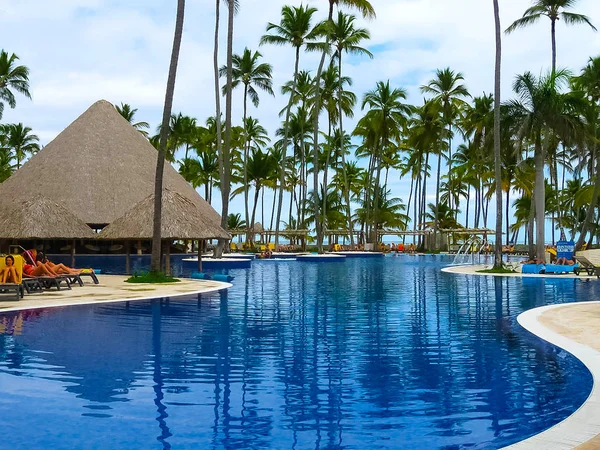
point(533, 268)
point(560, 268)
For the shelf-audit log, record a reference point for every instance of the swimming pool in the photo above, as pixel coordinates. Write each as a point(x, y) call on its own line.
point(371, 353)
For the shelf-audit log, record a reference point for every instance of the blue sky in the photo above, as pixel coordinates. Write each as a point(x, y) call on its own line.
point(80, 51)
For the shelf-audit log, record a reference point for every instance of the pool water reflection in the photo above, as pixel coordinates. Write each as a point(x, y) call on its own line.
point(376, 353)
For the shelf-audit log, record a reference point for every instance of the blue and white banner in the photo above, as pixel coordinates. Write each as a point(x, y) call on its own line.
point(565, 249)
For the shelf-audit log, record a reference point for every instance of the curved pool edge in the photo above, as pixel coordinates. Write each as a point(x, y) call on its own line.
point(109, 287)
point(472, 270)
point(584, 424)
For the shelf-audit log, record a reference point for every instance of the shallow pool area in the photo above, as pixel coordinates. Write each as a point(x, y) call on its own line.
point(369, 353)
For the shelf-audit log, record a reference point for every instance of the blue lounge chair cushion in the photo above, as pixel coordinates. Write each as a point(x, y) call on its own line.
point(533, 268)
point(560, 268)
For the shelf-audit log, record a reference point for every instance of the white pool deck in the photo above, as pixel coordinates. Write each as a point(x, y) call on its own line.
point(112, 288)
point(476, 268)
point(574, 327)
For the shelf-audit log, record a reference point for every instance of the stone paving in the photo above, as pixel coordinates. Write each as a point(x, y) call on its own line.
point(112, 288)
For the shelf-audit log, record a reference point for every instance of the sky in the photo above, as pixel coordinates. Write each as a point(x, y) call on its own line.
point(81, 51)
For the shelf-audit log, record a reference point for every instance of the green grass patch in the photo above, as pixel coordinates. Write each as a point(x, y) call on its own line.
point(151, 277)
point(501, 270)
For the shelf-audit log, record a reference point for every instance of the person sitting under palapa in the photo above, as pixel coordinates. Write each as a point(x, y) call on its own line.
point(9, 272)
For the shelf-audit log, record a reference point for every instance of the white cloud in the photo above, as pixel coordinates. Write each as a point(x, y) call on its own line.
point(79, 51)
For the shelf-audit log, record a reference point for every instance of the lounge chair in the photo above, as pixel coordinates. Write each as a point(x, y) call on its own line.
point(585, 265)
point(13, 291)
point(50, 282)
point(533, 268)
point(561, 268)
point(78, 278)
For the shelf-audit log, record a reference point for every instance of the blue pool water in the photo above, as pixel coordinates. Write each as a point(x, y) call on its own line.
point(371, 353)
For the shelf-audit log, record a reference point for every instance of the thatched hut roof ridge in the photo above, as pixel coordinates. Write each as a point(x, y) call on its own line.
point(99, 167)
point(181, 219)
point(41, 218)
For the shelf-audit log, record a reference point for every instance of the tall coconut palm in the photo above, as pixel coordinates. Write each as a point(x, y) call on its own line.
point(155, 263)
point(554, 10)
point(12, 77)
point(588, 82)
point(367, 11)
point(427, 135)
point(447, 89)
point(497, 131)
point(128, 114)
point(541, 108)
point(346, 38)
point(20, 142)
point(249, 72)
point(295, 29)
point(222, 161)
point(232, 7)
point(387, 115)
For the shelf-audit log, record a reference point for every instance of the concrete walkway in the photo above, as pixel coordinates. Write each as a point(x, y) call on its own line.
point(573, 327)
point(112, 288)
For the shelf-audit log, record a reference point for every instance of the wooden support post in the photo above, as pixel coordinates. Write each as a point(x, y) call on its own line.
point(127, 258)
point(139, 247)
point(73, 253)
point(200, 245)
point(168, 258)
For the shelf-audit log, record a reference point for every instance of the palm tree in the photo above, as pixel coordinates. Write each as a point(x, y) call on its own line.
point(128, 114)
point(20, 142)
point(447, 90)
point(367, 11)
point(588, 82)
point(497, 134)
point(345, 38)
point(248, 72)
point(225, 153)
point(261, 166)
point(541, 108)
point(295, 29)
point(222, 161)
point(12, 77)
point(427, 135)
point(235, 222)
point(155, 263)
point(554, 10)
point(387, 115)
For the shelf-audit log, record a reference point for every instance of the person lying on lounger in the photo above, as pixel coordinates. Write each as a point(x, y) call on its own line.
point(57, 269)
point(9, 272)
point(564, 261)
point(534, 261)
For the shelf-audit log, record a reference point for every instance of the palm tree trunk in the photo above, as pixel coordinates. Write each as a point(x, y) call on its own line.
point(344, 172)
point(223, 162)
point(325, 171)
point(468, 199)
point(246, 155)
point(437, 200)
point(553, 36)
point(589, 216)
point(497, 148)
point(155, 263)
point(316, 110)
point(284, 149)
point(507, 207)
point(256, 195)
point(540, 197)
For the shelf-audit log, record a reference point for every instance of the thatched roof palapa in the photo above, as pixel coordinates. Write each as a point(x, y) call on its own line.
point(99, 167)
point(41, 218)
point(181, 219)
